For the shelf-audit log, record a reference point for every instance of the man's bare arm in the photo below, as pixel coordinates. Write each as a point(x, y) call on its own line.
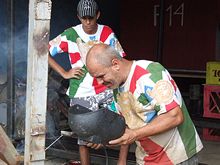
point(160, 124)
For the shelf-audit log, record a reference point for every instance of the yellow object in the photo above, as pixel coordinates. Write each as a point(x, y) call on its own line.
point(213, 73)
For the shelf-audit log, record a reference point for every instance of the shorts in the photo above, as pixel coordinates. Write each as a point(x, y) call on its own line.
point(191, 161)
point(93, 103)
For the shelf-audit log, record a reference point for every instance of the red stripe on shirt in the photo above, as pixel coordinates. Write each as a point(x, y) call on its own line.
point(172, 105)
point(138, 72)
point(98, 87)
point(74, 57)
point(155, 153)
point(64, 46)
point(105, 33)
point(174, 84)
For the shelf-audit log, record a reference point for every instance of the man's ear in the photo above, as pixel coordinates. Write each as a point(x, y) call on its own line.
point(78, 16)
point(115, 64)
point(98, 15)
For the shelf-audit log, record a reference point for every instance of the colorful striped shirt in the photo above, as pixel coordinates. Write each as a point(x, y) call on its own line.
point(150, 91)
point(67, 42)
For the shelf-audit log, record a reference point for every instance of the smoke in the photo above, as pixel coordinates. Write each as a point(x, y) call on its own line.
point(3, 44)
point(20, 45)
point(14, 39)
point(15, 42)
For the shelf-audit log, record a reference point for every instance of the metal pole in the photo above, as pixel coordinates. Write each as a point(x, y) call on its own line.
point(10, 70)
point(37, 75)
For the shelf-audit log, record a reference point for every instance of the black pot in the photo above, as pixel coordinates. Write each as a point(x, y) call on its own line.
point(98, 127)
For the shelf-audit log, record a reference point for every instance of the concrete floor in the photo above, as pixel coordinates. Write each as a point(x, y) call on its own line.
point(210, 155)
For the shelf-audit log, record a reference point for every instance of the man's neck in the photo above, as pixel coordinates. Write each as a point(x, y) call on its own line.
point(92, 31)
point(127, 68)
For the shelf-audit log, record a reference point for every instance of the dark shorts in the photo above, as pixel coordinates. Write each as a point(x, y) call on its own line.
point(191, 161)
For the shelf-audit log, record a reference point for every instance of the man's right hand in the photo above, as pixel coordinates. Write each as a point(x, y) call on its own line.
point(94, 146)
point(77, 73)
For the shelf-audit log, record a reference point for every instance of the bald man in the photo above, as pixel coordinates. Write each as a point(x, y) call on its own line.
point(149, 99)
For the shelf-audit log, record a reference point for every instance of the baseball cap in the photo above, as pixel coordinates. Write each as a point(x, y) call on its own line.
point(87, 8)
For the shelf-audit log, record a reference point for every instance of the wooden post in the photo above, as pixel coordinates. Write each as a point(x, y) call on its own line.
point(8, 153)
point(36, 96)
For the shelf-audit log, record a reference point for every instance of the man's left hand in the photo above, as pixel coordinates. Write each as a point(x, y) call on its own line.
point(127, 138)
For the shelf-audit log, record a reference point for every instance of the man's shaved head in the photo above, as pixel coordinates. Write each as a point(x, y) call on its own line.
point(102, 54)
point(107, 66)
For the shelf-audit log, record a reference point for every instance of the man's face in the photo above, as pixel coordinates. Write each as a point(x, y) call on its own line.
point(89, 24)
point(107, 76)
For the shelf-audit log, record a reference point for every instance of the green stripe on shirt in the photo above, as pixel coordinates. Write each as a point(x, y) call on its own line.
point(70, 34)
point(187, 133)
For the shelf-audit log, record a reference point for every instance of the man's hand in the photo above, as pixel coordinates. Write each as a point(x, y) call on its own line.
point(94, 146)
point(74, 73)
point(160, 124)
point(127, 138)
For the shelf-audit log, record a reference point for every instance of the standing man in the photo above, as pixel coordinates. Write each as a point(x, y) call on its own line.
point(149, 99)
point(83, 89)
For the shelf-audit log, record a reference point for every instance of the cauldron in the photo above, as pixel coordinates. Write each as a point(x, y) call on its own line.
point(98, 127)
